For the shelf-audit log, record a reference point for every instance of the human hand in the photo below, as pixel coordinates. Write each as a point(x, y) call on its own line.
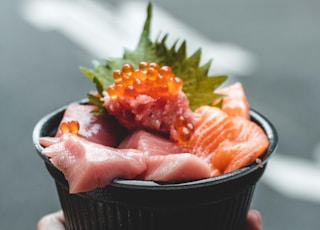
point(52, 221)
point(254, 220)
point(56, 221)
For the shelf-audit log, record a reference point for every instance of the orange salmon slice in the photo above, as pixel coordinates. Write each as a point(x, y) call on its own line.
point(235, 102)
point(226, 142)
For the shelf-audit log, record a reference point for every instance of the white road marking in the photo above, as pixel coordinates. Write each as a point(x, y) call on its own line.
point(103, 30)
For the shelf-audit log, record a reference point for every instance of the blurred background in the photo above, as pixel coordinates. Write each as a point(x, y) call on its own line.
point(272, 47)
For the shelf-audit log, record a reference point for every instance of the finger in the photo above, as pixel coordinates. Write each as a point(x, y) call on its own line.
point(254, 220)
point(53, 221)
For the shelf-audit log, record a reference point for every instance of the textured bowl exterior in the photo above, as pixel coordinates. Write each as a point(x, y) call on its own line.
point(217, 203)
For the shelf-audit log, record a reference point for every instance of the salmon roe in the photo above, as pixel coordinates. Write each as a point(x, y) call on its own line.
point(152, 80)
point(148, 78)
point(184, 129)
point(72, 127)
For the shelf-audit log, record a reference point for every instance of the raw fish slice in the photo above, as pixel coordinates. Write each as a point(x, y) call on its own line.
point(47, 141)
point(252, 143)
point(231, 144)
point(151, 144)
point(235, 103)
point(210, 130)
point(98, 128)
point(87, 165)
point(176, 167)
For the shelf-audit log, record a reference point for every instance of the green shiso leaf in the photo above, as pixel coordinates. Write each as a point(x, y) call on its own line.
point(95, 100)
point(198, 86)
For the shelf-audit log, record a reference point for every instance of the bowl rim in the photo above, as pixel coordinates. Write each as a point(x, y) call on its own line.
point(255, 116)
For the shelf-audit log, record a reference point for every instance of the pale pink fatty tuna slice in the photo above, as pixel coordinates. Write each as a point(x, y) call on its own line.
point(97, 128)
point(47, 141)
point(151, 144)
point(176, 167)
point(87, 165)
point(166, 160)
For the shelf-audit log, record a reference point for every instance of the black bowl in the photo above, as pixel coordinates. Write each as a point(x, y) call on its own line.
point(219, 203)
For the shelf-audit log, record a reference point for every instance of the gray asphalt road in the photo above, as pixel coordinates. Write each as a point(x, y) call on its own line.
point(39, 72)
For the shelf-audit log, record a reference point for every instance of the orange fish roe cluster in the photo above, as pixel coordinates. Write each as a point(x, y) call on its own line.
point(70, 127)
point(184, 129)
point(149, 79)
